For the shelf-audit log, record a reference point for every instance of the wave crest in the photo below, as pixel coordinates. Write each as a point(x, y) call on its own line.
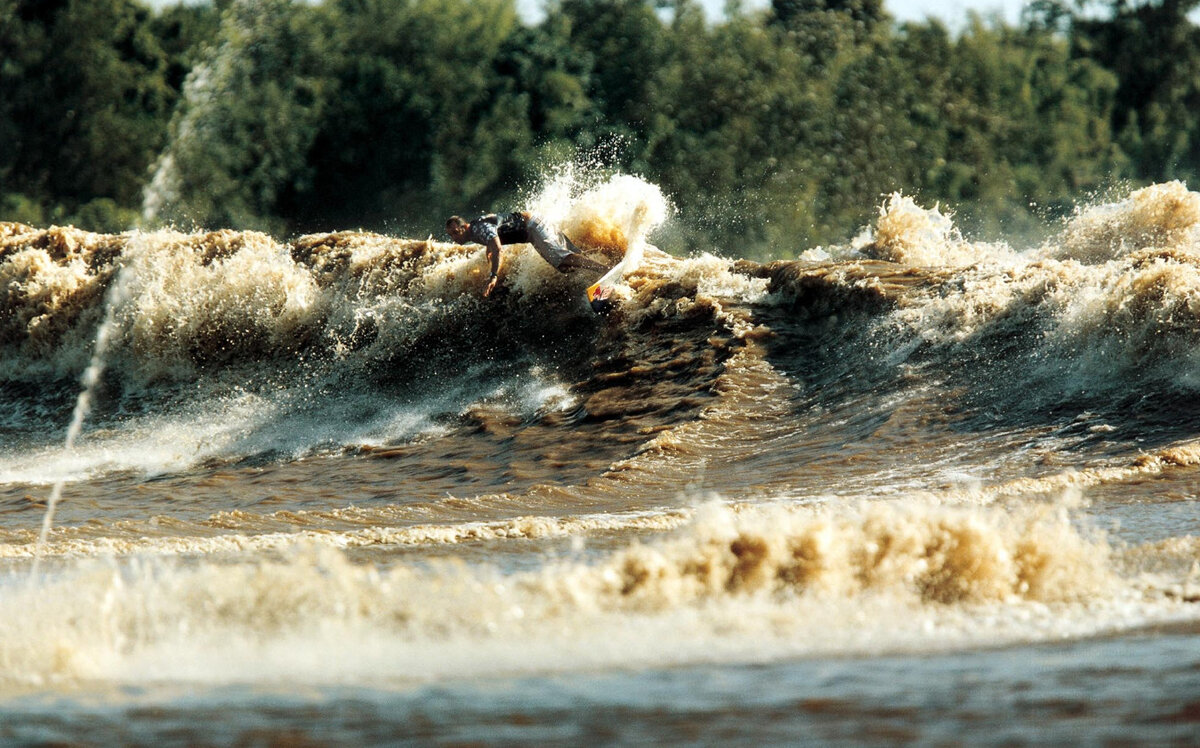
point(1163, 216)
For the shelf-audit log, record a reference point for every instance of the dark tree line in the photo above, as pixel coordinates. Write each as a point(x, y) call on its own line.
point(772, 130)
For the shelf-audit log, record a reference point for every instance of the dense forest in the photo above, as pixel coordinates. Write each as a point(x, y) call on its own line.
point(772, 130)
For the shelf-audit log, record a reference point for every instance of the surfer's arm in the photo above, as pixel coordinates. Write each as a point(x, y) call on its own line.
point(492, 248)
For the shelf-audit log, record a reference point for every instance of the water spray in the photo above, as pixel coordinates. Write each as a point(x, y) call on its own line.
point(116, 294)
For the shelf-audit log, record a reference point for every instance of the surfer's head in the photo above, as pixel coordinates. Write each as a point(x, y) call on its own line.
point(456, 227)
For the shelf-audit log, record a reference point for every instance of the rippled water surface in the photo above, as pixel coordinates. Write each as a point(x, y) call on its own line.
point(920, 490)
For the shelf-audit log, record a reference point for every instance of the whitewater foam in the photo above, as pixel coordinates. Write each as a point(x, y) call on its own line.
point(238, 345)
point(1111, 304)
point(1162, 216)
point(756, 583)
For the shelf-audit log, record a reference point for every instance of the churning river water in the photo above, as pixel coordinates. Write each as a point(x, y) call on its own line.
point(917, 489)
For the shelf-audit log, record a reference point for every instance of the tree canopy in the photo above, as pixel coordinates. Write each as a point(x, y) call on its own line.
point(772, 130)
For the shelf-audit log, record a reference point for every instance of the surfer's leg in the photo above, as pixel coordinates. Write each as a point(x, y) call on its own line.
point(576, 261)
point(556, 249)
point(546, 241)
point(580, 260)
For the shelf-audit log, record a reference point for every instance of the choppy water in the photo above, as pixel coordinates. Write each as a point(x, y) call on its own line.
point(917, 489)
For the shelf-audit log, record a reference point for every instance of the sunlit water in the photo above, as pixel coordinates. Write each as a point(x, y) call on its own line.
point(914, 490)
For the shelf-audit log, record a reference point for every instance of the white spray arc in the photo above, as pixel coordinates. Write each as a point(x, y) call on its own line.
point(633, 253)
point(580, 206)
point(117, 292)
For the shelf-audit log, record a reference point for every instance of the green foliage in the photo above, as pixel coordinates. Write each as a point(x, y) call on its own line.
point(417, 117)
point(20, 208)
point(250, 114)
point(82, 99)
point(772, 130)
point(1019, 118)
point(183, 31)
point(1153, 48)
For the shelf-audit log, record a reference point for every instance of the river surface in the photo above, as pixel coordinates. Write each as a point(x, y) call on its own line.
point(914, 490)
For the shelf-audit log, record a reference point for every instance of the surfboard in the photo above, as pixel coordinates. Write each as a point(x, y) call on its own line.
point(598, 293)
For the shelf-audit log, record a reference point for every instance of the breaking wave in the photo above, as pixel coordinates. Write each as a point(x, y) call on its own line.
point(858, 451)
point(245, 345)
point(727, 583)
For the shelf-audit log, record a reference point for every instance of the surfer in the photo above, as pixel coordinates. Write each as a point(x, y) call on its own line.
point(493, 230)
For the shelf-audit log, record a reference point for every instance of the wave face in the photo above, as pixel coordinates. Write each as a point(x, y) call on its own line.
point(913, 443)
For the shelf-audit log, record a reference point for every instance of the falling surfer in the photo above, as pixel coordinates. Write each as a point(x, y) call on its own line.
point(493, 231)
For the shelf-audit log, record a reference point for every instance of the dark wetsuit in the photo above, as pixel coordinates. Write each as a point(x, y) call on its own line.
point(522, 228)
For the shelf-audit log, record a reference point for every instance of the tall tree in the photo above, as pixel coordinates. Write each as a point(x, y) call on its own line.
point(1154, 49)
point(83, 100)
point(250, 111)
point(420, 117)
